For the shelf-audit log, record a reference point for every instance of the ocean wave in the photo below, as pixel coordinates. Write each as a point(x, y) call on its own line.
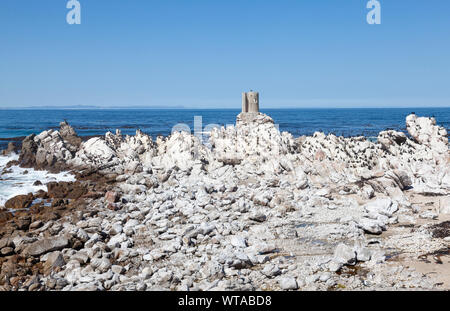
point(17, 181)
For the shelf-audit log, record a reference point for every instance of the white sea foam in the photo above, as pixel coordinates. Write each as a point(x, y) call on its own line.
point(16, 182)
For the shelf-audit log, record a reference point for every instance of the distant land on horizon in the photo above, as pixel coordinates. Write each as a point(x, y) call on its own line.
point(92, 107)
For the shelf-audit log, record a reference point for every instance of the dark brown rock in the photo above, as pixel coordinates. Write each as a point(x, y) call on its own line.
point(37, 208)
point(54, 260)
point(66, 190)
point(8, 269)
point(7, 251)
point(6, 242)
point(52, 216)
point(441, 230)
point(12, 163)
point(36, 224)
point(58, 202)
point(5, 216)
point(70, 137)
point(113, 206)
point(27, 156)
point(41, 194)
point(11, 149)
point(93, 195)
point(77, 244)
point(43, 246)
point(20, 201)
point(23, 223)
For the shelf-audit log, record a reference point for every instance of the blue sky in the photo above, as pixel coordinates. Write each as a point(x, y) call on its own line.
point(198, 53)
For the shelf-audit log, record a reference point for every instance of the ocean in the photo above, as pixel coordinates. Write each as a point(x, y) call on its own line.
point(20, 123)
point(90, 122)
point(16, 180)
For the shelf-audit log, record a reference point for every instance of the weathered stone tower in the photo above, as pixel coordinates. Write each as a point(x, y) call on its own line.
point(250, 102)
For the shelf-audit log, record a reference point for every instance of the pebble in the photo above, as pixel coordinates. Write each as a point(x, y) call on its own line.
point(288, 283)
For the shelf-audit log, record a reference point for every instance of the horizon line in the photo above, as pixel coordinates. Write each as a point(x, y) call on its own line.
point(211, 108)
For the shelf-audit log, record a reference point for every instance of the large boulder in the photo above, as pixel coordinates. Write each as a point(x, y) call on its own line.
point(53, 261)
point(255, 141)
point(403, 178)
point(382, 206)
point(46, 245)
point(344, 254)
point(28, 154)
point(66, 190)
point(19, 202)
point(98, 148)
point(180, 150)
point(391, 139)
point(425, 131)
point(69, 136)
point(50, 150)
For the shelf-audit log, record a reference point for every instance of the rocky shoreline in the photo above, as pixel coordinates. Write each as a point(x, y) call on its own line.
point(254, 209)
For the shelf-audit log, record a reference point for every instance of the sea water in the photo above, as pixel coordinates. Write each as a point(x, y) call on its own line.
point(89, 122)
point(366, 122)
point(16, 180)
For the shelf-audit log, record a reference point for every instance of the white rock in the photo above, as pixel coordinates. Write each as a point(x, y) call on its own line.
point(362, 253)
point(370, 225)
point(429, 215)
point(383, 206)
point(238, 241)
point(325, 277)
point(271, 270)
point(344, 254)
point(146, 273)
point(288, 283)
point(117, 269)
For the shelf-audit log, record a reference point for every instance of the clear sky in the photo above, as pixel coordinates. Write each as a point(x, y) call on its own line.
point(204, 53)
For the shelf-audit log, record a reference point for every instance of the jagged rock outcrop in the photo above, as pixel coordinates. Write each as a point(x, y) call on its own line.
point(253, 208)
point(27, 156)
point(10, 149)
point(256, 146)
point(69, 136)
point(50, 150)
point(254, 141)
point(425, 131)
point(180, 150)
point(114, 154)
point(390, 140)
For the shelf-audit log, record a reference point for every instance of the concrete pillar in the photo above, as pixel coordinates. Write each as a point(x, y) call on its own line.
point(253, 101)
point(250, 102)
point(244, 102)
